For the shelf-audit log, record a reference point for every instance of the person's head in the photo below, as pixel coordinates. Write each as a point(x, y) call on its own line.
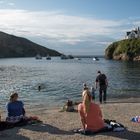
point(69, 103)
point(13, 97)
point(39, 87)
point(85, 87)
point(98, 72)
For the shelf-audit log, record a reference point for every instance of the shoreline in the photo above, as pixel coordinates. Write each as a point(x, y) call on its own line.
point(109, 101)
point(52, 107)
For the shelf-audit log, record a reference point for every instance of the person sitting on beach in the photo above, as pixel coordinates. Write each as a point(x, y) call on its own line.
point(69, 106)
point(90, 113)
point(15, 109)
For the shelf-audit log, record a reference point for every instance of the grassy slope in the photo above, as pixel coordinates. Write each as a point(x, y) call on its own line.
point(127, 46)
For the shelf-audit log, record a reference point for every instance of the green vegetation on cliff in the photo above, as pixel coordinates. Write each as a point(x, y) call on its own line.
point(13, 46)
point(126, 49)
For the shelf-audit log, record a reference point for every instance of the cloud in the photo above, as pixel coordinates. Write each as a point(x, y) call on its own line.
point(1, 1)
point(55, 24)
point(11, 4)
point(58, 28)
point(6, 3)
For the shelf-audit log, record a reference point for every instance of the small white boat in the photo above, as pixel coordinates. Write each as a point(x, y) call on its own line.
point(95, 58)
point(38, 56)
point(77, 58)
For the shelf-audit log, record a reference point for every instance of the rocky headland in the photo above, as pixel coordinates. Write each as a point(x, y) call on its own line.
point(127, 49)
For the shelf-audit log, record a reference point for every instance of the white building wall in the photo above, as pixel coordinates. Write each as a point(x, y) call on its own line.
point(133, 34)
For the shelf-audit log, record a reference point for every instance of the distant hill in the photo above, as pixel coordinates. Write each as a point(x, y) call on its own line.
point(13, 46)
point(128, 49)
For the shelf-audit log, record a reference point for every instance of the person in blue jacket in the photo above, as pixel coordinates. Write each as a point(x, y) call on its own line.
point(15, 109)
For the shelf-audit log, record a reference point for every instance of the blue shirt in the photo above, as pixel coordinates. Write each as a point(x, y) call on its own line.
point(15, 108)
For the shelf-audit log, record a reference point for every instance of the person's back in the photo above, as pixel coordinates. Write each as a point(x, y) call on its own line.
point(94, 121)
point(102, 82)
point(69, 106)
point(101, 79)
point(15, 108)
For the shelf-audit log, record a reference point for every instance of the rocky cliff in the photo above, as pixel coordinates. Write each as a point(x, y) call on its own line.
point(128, 49)
point(13, 46)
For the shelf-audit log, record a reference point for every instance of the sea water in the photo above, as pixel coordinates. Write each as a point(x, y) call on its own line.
point(63, 79)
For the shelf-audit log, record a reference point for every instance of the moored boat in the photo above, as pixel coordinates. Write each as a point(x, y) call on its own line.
point(64, 57)
point(95, 58)
point(77, 58)
point(48, 57)
point(38, 56)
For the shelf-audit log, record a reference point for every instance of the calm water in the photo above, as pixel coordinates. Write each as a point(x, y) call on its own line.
point(62, 79)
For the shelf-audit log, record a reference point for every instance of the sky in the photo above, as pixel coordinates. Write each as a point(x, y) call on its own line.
point(78, 27)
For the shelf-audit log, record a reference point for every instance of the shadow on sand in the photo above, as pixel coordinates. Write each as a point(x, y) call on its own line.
point(48, 128)
point(127, 135)
point(40, 127)
point(13, 133)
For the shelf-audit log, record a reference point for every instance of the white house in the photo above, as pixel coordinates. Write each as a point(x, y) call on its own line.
point(133, 34)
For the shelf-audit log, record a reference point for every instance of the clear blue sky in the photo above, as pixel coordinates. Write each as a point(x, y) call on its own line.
point(71, 26)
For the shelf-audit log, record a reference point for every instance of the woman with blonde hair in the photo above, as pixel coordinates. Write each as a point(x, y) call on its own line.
point(90, 113)
point(15, 109)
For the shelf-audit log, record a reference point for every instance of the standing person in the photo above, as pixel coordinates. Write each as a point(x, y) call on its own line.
point(102, 82)
point(93, 93)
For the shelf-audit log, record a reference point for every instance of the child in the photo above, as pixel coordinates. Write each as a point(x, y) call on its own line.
point(69, 107)
point(93, 92)
point(85, 87)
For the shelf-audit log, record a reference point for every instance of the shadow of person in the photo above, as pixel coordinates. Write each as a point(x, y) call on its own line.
point(128, 135)
point(40, 127)
point(12, 134)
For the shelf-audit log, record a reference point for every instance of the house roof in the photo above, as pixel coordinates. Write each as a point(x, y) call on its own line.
point(136, 32)
point(127, 33)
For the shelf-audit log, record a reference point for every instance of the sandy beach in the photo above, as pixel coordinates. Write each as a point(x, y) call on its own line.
point(58, 125)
